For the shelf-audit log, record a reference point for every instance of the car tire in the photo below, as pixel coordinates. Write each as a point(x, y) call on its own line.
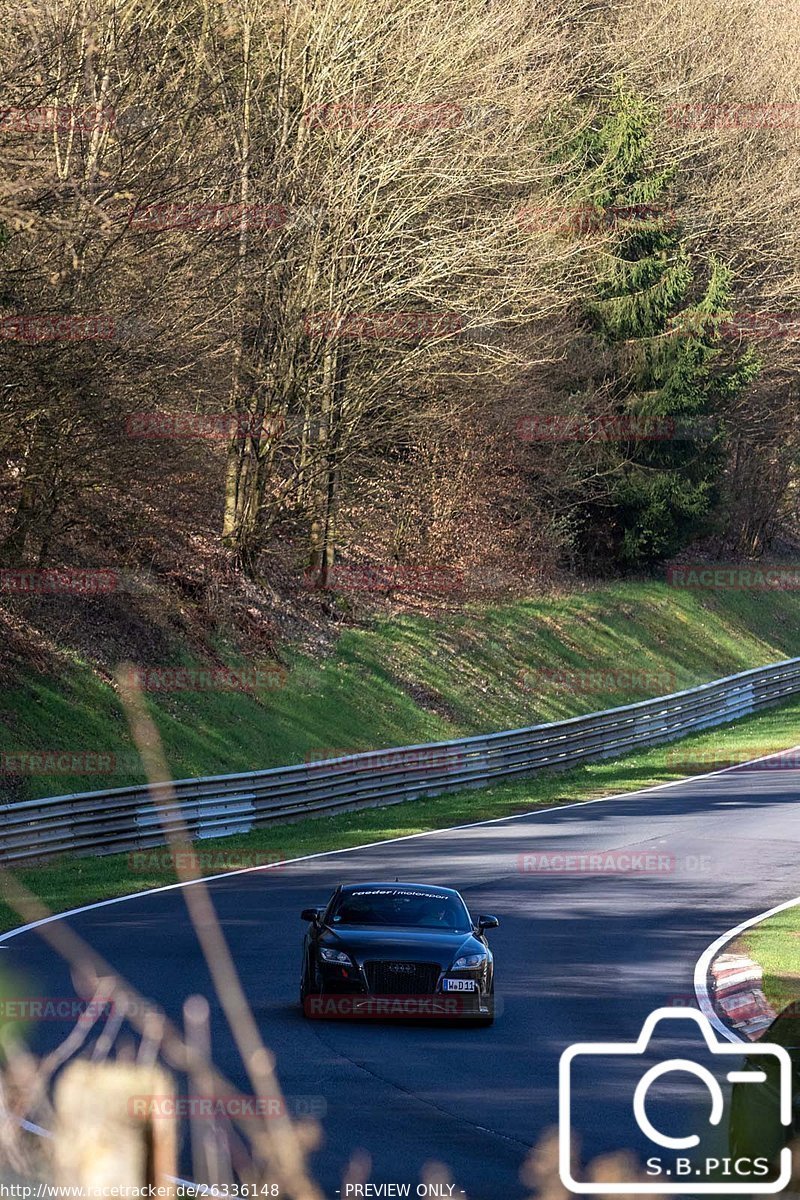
point(485, 1022)
point(307, 990)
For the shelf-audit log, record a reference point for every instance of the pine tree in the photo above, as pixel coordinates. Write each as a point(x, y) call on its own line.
point(656, 316)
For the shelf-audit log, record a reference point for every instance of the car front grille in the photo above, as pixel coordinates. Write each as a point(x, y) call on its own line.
point(401, 978)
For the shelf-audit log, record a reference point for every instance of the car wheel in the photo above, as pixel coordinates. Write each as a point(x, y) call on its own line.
point(484, 1022)
point(307, 990)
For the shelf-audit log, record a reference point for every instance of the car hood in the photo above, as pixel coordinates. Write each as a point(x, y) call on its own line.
point(410, 945)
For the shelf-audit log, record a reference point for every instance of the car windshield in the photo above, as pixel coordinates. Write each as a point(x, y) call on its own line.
point(399, 906)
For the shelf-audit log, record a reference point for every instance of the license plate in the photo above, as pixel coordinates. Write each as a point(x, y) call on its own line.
point(459, 985)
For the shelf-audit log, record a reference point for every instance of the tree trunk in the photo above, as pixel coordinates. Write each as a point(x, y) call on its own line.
point(12, 551)
point(237, 463)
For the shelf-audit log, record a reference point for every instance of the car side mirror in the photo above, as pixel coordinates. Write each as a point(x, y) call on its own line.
point(310, 914)
point(487, 923)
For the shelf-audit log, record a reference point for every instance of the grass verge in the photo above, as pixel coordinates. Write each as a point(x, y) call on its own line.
point(775, 945)
point(70, 882)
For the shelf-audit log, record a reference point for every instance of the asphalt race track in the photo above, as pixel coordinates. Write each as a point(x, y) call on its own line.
point(579, 956)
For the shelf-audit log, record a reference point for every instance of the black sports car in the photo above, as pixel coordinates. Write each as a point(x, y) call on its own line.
point(397, 949)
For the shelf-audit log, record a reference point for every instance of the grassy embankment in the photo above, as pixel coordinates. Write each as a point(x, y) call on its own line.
point(418, 679)
point(414, 679)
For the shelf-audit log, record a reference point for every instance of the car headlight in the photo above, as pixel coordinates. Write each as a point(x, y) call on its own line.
point(336, 956)
point(469, 960)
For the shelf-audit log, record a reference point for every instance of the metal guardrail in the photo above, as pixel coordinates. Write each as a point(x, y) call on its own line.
point(125, 819)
